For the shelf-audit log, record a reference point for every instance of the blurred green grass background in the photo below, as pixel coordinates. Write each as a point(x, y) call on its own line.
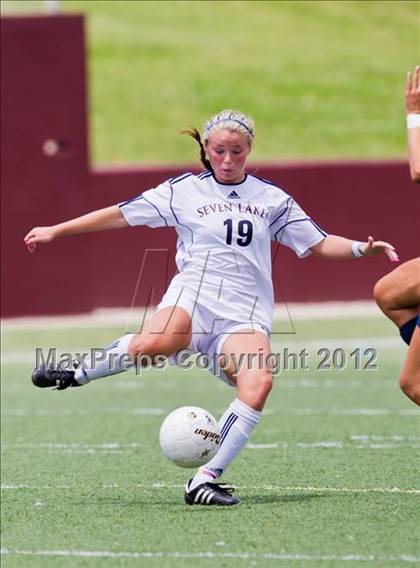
point(322, 79)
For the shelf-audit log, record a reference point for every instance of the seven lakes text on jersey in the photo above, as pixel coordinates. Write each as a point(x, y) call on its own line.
point(229, 207)
point(224, 234)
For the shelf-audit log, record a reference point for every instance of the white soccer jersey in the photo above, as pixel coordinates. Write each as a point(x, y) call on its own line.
point(224, 232)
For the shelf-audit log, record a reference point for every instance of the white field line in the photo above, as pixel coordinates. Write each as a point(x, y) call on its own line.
point(279, 343)
point(366, 383)
point(363, 441)
point(273, 488)
point(104, 448)
point(367, 412)
point(377, 437)
point(371, 412)
point(135, 411)
point(297, 383)
point(251, 556)
point(120, 316)
point(334, 444)
point(17, 412)
point(327, 310)
point(309, 383)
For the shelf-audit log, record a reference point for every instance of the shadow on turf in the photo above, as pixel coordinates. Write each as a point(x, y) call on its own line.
point(249, 500)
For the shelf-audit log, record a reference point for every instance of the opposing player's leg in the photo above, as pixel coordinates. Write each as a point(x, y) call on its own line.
point(410, 374)
point(167, 332)
point(253, 382)
point(398, 296)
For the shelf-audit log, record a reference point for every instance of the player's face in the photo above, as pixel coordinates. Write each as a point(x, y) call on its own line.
point(227, 152)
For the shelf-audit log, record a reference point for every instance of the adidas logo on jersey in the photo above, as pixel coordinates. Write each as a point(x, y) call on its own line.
point(233, 195)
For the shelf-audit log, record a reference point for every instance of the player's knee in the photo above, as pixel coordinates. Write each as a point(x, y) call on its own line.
point(254, 389)
point(407, 384)
point(263, 386)
point(377, 292)
point(157, 344)
point(410, 387)
point(383, 294)
point(145, 344)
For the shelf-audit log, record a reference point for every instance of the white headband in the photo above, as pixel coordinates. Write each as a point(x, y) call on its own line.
point(247, 128)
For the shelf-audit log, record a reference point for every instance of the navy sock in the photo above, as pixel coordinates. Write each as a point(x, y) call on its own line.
point(407, 330)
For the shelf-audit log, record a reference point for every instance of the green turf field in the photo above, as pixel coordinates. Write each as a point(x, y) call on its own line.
point(329, 478)
point(322, 79)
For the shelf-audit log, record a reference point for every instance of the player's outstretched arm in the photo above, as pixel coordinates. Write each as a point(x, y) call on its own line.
point(412, 105)
point(100, 220)
point(340, 248)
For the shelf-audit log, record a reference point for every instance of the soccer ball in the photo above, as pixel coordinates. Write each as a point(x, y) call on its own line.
point(189, 436)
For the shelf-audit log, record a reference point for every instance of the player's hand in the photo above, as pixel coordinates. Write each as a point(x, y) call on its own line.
point(378, 247)
point(38, 235)
point(412, 91)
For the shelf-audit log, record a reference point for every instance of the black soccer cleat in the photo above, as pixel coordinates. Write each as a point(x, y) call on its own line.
point(210, 494)
point(58, 378)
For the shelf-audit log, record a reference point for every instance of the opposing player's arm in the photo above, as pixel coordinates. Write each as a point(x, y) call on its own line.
point(412, 104)
point(100, 220)
point(339, 248)
point(414, 153)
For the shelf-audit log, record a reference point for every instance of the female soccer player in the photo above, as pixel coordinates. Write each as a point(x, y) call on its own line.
point(398, 293)
point(221, 301)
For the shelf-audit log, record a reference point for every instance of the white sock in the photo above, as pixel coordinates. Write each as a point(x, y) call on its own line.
point(236, 425)
point(103, 366)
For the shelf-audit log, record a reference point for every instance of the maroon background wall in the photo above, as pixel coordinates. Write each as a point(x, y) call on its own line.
point(44, 98)
point(353, 199)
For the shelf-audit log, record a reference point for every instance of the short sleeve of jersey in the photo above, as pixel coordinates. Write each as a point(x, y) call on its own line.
point(291, 226)
point(151, 208)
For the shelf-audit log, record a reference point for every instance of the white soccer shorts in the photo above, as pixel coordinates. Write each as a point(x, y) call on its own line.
point(209, 331)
